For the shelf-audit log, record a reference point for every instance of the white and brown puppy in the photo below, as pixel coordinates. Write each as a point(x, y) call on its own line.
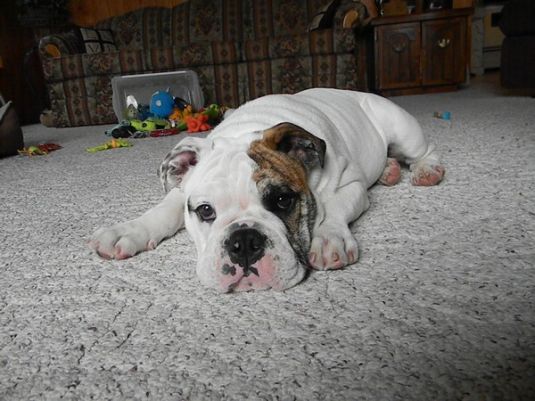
point(272, 190)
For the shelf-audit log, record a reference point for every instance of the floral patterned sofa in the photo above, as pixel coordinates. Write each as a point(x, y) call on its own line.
point(240, 49)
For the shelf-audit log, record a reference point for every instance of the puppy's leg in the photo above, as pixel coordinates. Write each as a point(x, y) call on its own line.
point(410, 145)
point(406, 141)
point(126, 239)
point(333, 245)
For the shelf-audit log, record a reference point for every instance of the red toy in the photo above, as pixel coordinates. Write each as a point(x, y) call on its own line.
point(42, 149)
point(164, 132)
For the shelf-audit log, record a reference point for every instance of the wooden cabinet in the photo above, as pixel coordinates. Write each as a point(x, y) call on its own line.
point(420, 53)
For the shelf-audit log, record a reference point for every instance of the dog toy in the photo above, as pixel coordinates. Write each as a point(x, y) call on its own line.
point(213, 112)
point(164, 132)
point(198, 123)
point(150, 124)
point(161, 104)
point(42, 149)
point(131, 112)
point(113, 144)
point(122, 130)
point(444, 116)
point(146, 125)
point(180, 103)
point(143, 112)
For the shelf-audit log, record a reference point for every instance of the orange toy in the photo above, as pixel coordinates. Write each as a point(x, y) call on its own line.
point(198, 123)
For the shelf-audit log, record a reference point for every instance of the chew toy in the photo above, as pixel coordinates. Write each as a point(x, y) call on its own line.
point(42, 149)
point(113, 144)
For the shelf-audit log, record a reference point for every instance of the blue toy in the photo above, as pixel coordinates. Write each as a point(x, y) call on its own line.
point(446, 115)
point(143, 112)
point(161, 104)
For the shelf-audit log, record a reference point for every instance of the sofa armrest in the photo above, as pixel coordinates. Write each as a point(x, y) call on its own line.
point(61, 44)
point(354, 13)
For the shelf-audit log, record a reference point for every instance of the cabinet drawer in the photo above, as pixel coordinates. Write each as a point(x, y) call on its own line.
point(397, 50)
point(443, 51)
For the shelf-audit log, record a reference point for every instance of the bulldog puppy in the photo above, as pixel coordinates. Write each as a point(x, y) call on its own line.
point(272, 190)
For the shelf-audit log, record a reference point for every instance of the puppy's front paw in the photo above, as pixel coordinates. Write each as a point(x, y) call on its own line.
point(332, 248)
point(121, 241)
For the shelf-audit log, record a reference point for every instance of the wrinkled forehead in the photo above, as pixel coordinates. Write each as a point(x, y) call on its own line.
point(223, 175)
point(237, 170)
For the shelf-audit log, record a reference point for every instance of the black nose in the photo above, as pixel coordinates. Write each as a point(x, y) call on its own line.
point(245, 246)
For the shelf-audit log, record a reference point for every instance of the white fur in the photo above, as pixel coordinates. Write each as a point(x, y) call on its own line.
point(357, 127)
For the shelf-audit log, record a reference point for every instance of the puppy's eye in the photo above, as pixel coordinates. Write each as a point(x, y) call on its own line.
point(285, 201)
point(279, 199)
point(206, 212)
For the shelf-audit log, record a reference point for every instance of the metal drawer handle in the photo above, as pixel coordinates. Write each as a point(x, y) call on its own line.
point(444, 42)
point(399, 47)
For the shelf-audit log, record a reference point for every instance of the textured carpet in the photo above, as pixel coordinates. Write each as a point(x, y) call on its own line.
point(440, 306)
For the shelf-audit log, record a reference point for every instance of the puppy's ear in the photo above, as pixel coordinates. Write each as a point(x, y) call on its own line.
point(180, 161)
point(297, 143)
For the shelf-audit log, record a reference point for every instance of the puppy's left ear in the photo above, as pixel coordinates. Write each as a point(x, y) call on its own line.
point(297, 143)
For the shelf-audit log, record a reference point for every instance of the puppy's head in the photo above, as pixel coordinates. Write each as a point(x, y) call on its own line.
point(249, 207)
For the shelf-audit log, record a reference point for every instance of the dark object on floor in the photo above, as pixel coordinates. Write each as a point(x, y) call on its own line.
point(518, 47)
point(122, 130)
point(10, 132)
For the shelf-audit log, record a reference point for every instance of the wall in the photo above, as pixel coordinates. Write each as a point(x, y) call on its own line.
point(89, 12)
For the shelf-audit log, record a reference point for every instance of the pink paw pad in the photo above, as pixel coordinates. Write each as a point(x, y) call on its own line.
point(120, 254)
point(428, 176)
point(334, 262)
point(104, 255)
point(392, 173)
point(151, 245)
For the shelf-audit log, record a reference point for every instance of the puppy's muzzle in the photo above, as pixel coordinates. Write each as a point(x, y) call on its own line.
point(245, 246)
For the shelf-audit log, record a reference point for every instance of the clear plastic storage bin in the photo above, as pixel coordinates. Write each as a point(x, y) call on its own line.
point(183, 84)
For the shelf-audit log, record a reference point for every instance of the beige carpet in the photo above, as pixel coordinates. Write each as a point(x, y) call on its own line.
point(440, 306)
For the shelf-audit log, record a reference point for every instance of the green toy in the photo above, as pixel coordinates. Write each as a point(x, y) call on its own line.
point(213, 111)
point(113, 144)
point(147, 125)
point(150, 124)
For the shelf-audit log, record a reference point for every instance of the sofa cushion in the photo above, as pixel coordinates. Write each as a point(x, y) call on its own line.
point(201, 21)
point(86, 101)
point(82, 101)
point(263, 19)
point(195, 54)
point(293, 74)
point(197, 21)
point(121, 62)
point(325, 41)
point(140, 29)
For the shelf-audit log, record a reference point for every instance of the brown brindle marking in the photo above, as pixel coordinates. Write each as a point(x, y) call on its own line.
point(277, 166)
point(273, 163)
